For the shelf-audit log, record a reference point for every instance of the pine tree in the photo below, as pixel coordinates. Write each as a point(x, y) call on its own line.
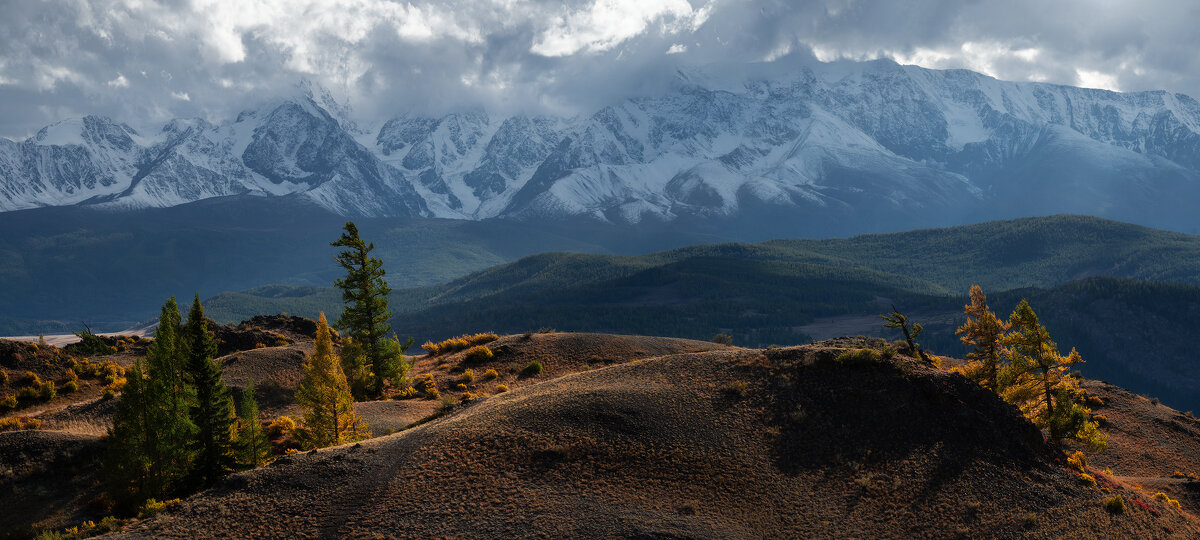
point(983, 332)
point(897, 320)
point(330, 417)
point(366, 314)
point(253, 448)
point(126, 465)
point(166, 398)
point(212, 409)
point(1038, 380)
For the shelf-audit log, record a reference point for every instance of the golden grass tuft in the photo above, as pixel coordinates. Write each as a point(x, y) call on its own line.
point(501, 388)
point(459, 343)
point(490, 374)
point(1077, 461)
point(19, 423)
point(1115, 504)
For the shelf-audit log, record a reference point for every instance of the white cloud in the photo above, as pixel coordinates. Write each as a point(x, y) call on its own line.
point(119, 82)
point(181, 96)
point(1097, 79)
point(607, 23)
point(677, 48)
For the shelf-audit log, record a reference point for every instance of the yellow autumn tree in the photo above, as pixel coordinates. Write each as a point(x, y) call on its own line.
point(983, 332)
point(1037, 379)
point(330, 417)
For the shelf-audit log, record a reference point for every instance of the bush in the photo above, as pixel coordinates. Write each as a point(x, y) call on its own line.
point(281, 426)
point(8, 403)
point(1095, 401)
point(1077, 461)
point(460, 387)
point(19, 423)
point(533, 369)
point(468, 376)
point(501, 388)
point(1115, 504)
point(70, 387)
point(859, 357)
point(153, 507)
point(3, 377)
point(1100, 419)
point(459, 343)
point(46, 391)
point(71, 375)
point(479, 353)
point(1160, 496)
point(490, 374)
point(723, 339)
point(27, 394)
point(1087, 479)
point(737, 388)
point(109, 392)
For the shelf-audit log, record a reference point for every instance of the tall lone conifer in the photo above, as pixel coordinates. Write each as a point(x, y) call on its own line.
point(983, 332)
point(330, 417)
point(212, 410)
point(253, 448)
point(366, 314)
point(1037, 379)
point(167, 400)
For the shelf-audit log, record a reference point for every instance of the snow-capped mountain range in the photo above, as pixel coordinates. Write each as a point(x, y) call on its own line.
point(827, 140)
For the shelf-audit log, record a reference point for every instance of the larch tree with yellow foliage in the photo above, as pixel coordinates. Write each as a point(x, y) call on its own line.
point(984, 333)
point(1037, 379)
point(330, 417)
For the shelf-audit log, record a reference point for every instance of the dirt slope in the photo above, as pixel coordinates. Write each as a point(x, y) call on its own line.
point(724, 443)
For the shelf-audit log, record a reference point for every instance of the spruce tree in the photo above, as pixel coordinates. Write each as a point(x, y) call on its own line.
point(167, 398)
point(366, 313)
point(212, 410)
point(1037, 379)
point(126, 465)
point(330, 417)
point(983, 332)
point(253, 447)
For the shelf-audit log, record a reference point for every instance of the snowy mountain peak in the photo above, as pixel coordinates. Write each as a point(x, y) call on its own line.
point(841, 139)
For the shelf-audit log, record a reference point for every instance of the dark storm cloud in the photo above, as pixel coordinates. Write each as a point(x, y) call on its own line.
point(145, 62)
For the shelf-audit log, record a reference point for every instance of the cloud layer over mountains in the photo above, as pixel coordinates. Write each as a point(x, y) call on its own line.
point(145, 62)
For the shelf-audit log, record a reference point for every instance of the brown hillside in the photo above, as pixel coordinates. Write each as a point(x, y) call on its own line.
point(725, 443)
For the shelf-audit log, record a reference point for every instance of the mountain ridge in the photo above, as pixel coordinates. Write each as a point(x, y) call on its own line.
point(839, 143)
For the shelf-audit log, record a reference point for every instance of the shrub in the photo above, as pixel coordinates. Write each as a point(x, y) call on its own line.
point(1087, 479)
point(490, 374)
point(3, 377)
point(1160, 496)
point(281, 426)
point(479, 353)
point(723, 339)
point(468, 376)
point(71, 375)
point(1077, 461)
point(1095, 401)
point(154, 507)
point(737, 388)
point(501, 388)
point(70, 386)
point(460, 387)
point(27, 394)
point(887, 352)
point(406, 393)
point(1100, 419)
point(8, 403)
point(30, 378)
point(46, 391)
point(109, 392)
point(432, 392)
point(260, 345)
point(19, 423)
point(533, 369)
point(447, 404)
point(1154, 401)
point(459, 343)
point(1115, 504)
point(858, 357)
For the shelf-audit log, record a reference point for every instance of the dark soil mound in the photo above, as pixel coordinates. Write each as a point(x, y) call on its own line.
point(48, 480)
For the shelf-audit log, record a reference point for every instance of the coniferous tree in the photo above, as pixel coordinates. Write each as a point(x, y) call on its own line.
point(900, 321)
point(330, 417)
point(212, 409)
point(253, 448)
point(126, 465)
point(167, 398)
point(1038, 380)
point(366, 314)
point(983, 332)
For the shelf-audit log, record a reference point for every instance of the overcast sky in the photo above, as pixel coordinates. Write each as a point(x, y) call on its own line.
point(144, 62)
